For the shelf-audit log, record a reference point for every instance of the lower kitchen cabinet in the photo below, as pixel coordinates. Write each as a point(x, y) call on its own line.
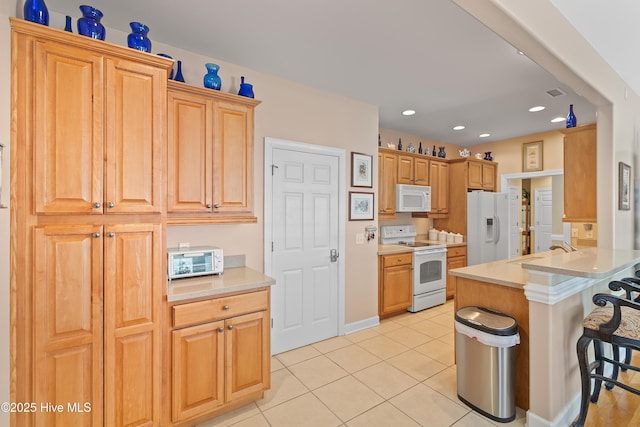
point(221, 355)
point(394, 283)
point(456, 258)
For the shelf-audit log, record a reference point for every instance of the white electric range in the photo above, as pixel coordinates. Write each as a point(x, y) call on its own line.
point(429, 278)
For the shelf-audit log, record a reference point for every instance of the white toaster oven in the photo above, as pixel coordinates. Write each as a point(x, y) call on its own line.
point(194, 261)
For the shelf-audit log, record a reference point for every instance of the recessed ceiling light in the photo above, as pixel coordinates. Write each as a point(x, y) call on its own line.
point(408, 112)
point(485, 135)
point(459, 127)
point(558, 120)
point(536, 108)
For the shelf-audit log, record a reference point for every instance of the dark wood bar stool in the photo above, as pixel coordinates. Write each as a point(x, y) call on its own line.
point(616, 323)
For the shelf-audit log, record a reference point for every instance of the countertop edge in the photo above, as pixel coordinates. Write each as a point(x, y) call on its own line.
point(205, 287)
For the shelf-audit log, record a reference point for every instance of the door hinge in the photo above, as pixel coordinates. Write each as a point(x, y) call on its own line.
point(273, 168)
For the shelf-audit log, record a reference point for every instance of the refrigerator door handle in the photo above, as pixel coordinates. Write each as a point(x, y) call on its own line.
point(496, 229)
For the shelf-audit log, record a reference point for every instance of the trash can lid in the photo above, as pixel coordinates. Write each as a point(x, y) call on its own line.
point(487, 320)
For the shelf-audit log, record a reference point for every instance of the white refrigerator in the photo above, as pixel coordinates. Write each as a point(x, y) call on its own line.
point(487, 227)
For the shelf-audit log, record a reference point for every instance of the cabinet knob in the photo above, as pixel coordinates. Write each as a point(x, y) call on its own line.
point(111, 234)
point(230, 327)
point(226, 307)
point(217, 205)
point(208, 205)
point(97, 205)
point(220, 329)
point(96, 234)
point(110, 204)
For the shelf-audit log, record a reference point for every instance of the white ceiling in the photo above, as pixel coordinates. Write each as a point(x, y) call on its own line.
point(427, 55)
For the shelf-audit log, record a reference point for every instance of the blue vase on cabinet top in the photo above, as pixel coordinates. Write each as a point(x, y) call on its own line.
point(246, 89)
point(179, 76)
point(36, 11)
point(89, 25)
point(138, 38)
point(212, 79)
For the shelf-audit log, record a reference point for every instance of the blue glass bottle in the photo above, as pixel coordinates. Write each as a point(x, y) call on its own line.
point(246, 89)
point(67, 24)
point(571, 118)
point(89, 25)
point(138, 39)
point(400, 144)
point(442, 153)
point(36, 11)
point(179, 76)
point(212, 79)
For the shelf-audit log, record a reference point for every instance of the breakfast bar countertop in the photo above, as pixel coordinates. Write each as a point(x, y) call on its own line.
point(235, 279)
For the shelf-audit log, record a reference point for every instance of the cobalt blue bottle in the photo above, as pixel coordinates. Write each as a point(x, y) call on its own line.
point(36, 11)
point(571, 118)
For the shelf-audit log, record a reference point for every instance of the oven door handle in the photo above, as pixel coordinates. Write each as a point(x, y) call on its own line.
point(431, 251)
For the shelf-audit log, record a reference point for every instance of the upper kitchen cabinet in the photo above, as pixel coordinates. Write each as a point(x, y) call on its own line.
point(387, 180)
point(210, 156)
point(99, 128)
point(481, 175)
point(580, 202)
point(439, 179)
point(413, 170)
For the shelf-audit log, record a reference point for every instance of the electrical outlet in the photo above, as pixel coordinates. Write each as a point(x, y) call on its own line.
point(359, 238)
point(574, 232)
point(589, 234)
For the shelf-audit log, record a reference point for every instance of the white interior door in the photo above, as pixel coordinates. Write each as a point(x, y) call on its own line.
point(305, 208)
point(543, 219)
point(514, 221)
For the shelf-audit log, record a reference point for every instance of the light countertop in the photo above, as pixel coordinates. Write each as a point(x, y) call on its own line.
point(396, 249)
point(232, 280)
point(592, 263)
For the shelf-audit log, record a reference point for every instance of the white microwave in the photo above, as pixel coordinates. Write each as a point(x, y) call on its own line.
point(413, 198)
point(195, 261)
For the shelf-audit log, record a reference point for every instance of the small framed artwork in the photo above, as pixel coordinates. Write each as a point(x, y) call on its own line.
point(360, 206)
point(624, 186)
point(532, 156)
point(361, 170)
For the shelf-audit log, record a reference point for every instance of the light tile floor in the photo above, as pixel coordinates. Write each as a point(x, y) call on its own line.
point(400, 373)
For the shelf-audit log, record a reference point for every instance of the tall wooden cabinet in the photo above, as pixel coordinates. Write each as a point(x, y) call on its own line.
point(439, 180)
point(580, 177)
point(210, 156)
point(88, 140)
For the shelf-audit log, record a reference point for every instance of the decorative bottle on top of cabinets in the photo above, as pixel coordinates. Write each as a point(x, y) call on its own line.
point(571, 118)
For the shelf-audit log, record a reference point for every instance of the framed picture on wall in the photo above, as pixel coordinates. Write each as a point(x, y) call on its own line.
point(532, 156)
point(361, 170)
point(360, 206)
point(624, 187)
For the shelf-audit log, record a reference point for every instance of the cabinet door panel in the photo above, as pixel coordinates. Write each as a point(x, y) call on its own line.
point(488, 177)
point(421, 171)
point(132, 297)
point(405, 169)
point(387, 179)
point(68, 150)
point(190, 147)
point(198, 370)
point(135, 123)
point(68, 322)
point(396, 293)
point(475, 175)
point(232, 164)
point(247, 355)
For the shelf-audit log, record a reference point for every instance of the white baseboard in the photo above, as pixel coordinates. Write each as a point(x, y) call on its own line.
point(361, 325)
point(564, 418)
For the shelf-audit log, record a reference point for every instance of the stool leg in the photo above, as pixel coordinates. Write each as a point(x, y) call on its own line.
point(585, 379)
point(597, 346)
point(627, 358)
point(616, 367)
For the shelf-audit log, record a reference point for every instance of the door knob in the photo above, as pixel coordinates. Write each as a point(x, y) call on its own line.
point(333, 255)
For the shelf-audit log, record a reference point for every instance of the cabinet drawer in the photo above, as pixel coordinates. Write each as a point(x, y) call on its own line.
point(456, 251)
point(397, 259)
point(219, 308)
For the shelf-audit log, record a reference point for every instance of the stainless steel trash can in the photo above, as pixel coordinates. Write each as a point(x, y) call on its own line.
point(485, 358)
